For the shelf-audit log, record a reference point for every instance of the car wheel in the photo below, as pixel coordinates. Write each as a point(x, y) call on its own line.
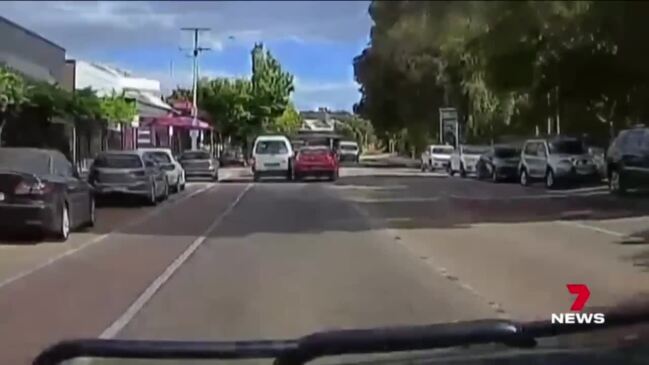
point(152, 198)
point(177, 187)
point(449, 170)
point(255, 177)
point(62, 230)
point(616, 183)
point(165, 194)
point(550, 181)
point(91, 217)
point(494, 175)
point(423, 167)
point(462, 171)
point(524, 178)
point(334, 176)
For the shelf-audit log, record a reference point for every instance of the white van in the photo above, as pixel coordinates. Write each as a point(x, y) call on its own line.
point(348, 151)
point(272, 156)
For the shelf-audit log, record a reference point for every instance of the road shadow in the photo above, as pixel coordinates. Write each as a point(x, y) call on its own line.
point(21, 238)
point(120, 201)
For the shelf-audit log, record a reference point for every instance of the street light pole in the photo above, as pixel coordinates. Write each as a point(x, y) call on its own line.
point(196, 50)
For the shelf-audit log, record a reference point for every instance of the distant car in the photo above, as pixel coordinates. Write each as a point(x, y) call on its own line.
point(555, 160)
point(349, 151)
point(499, 163)
point(168, 163)
point(199, 164)
point(465, 158)
point(316, 161)
point(436, 157)
point(128, 173)
point(627, 160)
point(272, 156)
point(41, 189)
point(232, 157)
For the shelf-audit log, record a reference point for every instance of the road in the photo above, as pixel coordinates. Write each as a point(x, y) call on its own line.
point(243, 260)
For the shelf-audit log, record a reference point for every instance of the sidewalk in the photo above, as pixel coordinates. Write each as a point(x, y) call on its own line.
point(388, 160)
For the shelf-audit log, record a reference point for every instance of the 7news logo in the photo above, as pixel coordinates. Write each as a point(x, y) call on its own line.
point(576, 317)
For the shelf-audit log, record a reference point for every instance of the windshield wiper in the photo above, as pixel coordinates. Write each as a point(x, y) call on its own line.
point(341, 342)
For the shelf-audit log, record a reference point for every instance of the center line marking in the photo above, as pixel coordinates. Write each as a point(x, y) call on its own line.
point(153, 288)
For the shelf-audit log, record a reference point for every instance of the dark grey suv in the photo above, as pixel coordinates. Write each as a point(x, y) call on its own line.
point(627, 160)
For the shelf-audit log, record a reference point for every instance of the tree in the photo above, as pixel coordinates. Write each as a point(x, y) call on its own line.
point(228, 103)
point(116, 108)
point(271, 87)
point(288, 123)
point(13, 93)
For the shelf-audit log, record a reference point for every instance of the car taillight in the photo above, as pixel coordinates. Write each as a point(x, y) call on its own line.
point(37, 188)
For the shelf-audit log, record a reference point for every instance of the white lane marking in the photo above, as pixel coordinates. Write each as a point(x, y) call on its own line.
point(97, 239)
point(392, 200)
point(594, 228)
point(580, 190)
point(153, 288)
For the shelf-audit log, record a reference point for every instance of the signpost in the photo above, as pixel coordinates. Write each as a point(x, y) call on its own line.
point(449, 127)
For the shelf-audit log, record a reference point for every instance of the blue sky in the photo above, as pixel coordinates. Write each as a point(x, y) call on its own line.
point(315, 41)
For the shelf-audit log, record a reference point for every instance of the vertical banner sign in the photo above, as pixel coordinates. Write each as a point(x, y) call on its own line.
point(448, 125)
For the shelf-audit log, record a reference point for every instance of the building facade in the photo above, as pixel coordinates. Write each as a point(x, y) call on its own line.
point(30, 54)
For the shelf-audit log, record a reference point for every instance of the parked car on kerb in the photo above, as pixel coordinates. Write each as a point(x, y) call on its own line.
point(316, 161)
point(199, 164)
point(555, 160)
point(436, 157)
point(128, 173)
point(465, 158)
point(627, 160)
point(500, 162)
point(173, 168)
point(40, 189)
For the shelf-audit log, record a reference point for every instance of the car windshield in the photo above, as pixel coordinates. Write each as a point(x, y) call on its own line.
point(348, 147)
point(474, 150)
point(571, 147)
point(443, 150)
point(419, 214)
point(159, 157)
point(271, 147)
point(24, 161)
point(506, 152)
point(195, 155)
point(118, 161)
point(314, 151)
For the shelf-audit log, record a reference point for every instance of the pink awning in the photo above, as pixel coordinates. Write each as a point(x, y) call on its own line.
point(179, 122)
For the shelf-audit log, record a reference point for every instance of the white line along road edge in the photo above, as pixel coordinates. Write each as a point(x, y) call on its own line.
point(151, 290)
point(97, 239)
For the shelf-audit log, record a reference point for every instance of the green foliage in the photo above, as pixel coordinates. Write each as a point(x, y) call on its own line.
point(505, 65)
point(13, 90)
point(117, 109)
point(242, 108)
point(288, 123)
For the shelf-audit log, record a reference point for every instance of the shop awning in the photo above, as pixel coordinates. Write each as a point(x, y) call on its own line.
point(178, 122)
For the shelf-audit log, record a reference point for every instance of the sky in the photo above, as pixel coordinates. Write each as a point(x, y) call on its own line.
point(316, 41)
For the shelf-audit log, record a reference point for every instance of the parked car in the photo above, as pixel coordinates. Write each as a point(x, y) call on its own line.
point(349, 151)
point(272, 156)
point(556, 159)
point(464, 159)
point(174, 170)
point(199, 164)
point(232, 157)
point(436, 157)
point(499, 163)
point(627, 160)
point(129, 173)
point(41, 189)
point(316, 161)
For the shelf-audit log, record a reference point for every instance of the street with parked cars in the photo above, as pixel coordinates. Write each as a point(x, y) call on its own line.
point(157, 208)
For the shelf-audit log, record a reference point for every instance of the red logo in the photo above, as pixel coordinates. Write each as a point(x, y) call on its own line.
point(582, 292)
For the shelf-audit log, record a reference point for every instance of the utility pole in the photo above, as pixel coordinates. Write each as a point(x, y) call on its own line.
point(196, 50)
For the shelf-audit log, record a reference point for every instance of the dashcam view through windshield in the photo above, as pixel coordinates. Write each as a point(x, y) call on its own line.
point(312, 182)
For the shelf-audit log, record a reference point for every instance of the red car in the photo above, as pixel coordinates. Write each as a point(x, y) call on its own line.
point(316, 161)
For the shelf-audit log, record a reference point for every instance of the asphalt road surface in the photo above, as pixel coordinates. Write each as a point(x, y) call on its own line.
point(243, 260)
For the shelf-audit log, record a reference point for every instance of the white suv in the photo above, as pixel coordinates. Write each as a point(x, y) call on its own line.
point(272, 156)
